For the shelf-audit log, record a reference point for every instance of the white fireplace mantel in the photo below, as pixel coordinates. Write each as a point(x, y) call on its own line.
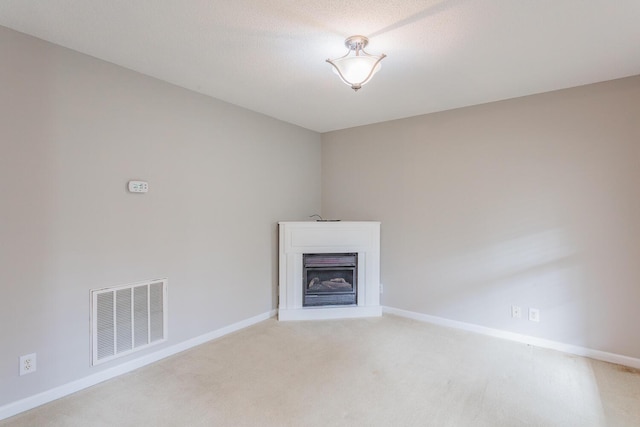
point(298, 238)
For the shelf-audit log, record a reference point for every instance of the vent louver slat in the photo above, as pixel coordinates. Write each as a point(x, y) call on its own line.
point(156, 322)
point(123, 320)
point(127, 318)
point(105, 330)
point(141, 316)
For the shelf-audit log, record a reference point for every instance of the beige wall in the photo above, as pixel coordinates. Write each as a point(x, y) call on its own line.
point(74, 130)
point(532, 201)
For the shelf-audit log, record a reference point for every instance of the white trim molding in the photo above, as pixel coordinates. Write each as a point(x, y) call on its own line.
point(512, 336)
point(326, 313)
point(34, 401)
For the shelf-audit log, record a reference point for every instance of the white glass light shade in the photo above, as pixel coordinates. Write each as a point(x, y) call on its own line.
point(356, 70)
point(357, 67)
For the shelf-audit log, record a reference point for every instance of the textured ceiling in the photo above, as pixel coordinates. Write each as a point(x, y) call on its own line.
point(269, 55)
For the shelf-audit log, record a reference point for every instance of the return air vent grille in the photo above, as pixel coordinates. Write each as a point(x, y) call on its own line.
point(127, 319)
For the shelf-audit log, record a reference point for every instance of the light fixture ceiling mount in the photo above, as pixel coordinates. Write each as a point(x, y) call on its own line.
point(357, 67)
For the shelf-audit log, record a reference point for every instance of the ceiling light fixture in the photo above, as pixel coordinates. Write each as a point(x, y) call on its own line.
point(356, 70)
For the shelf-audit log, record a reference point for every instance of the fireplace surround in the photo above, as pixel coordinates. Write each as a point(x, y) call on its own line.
point(329, 270)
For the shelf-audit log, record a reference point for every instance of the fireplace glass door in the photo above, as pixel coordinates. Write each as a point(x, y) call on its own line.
point(330, 279)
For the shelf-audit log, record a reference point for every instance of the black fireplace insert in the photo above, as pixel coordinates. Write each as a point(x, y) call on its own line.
point(329, 279)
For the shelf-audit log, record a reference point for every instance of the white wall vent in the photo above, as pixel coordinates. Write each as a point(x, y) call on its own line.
point(127, 318)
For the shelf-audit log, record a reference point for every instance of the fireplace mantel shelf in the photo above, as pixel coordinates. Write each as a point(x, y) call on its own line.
point(299, 238)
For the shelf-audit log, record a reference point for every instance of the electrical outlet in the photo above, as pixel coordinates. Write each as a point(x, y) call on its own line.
point(516, 312)
point(381, 289)
point(27, 364)
point(534, 314)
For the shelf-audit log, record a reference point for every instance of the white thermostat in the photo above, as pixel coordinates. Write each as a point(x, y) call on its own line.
point(138, 186)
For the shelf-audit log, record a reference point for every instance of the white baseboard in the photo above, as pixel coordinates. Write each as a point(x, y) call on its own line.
point(512, 336)
point(325, 313)
point(31, 402)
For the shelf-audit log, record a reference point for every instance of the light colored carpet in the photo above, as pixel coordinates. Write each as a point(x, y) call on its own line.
point(386, 371)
